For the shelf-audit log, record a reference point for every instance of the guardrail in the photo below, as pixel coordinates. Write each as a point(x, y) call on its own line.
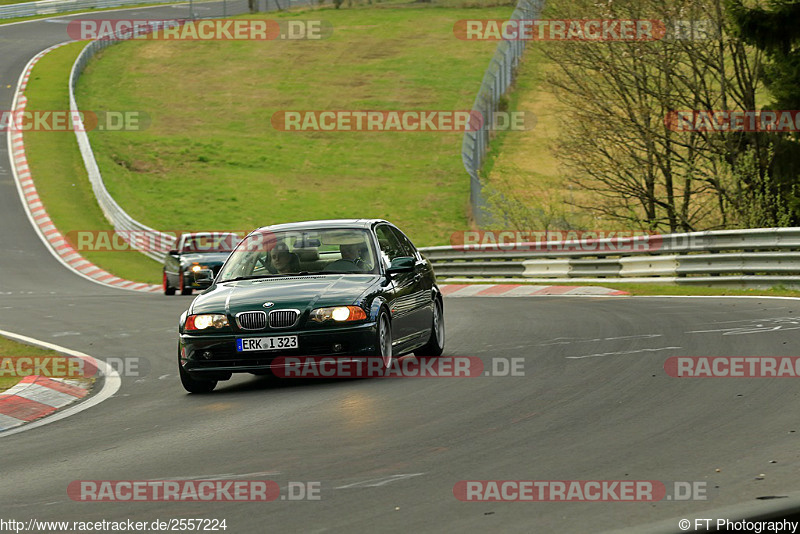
point(496, 81)
point(53, 7)
point(194, 8)
point(119, 219)
point(131, 230)
point(758, 258)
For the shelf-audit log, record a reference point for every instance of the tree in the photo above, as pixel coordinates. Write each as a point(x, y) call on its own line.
point(774, 29)
point(617, 142)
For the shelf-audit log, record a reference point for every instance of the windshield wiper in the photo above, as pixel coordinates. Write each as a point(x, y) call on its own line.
point(251, 277)
point(340, 272)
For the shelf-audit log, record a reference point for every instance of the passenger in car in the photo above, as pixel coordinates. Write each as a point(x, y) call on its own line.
point(284, 261)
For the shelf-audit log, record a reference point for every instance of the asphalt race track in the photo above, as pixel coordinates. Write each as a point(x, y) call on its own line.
point(594, 404)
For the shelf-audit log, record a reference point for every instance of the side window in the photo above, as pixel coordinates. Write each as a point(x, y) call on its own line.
point(405, 244)
point(390, 246)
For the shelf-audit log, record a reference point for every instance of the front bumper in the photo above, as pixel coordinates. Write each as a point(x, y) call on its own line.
point(217, 355)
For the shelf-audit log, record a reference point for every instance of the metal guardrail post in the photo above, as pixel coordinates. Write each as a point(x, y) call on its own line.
point(129, 229)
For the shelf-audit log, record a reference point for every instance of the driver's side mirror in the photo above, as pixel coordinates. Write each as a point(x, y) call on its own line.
point(403, 264)
point(204, 278)
point(174, 252)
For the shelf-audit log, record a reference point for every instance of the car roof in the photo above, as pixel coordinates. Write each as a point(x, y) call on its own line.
point(321, 224)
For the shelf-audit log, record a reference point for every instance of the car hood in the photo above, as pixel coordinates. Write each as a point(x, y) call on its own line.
point(295, 292)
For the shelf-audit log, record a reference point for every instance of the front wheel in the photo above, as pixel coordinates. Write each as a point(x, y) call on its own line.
point(435, 344)
point(195, 386)
point(383, 339)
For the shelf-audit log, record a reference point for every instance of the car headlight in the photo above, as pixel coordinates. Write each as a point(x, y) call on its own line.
point(339, 314)
point(205, 321)
point(196, 268)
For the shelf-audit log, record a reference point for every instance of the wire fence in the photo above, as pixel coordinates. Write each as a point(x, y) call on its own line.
point(498, 78)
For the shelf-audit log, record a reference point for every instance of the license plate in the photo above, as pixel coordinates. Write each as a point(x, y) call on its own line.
point(249, 344)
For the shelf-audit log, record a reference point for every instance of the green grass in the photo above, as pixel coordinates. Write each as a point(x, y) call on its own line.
point(648, 289)
point(651, 289)
point(59, 174)
point(211, 159)
point(523, 164)
point(10, 348)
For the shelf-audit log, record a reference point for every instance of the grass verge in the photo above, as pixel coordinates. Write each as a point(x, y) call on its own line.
point(522, 165)
point(655, 290)
point(649, 289)
point(58, 171)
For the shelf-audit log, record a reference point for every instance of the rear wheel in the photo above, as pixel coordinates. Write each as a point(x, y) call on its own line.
point(195, 386)
point(165, 284)
point(435, 344)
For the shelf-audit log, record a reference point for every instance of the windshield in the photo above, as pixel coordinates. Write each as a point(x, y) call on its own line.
point(209, 242)
point(326, 251)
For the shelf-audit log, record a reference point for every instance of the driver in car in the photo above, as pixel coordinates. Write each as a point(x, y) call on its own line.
point(352, 253)
point(351, 256)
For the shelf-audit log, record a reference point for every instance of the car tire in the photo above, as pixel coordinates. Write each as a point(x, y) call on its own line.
point(435, 344)
point(195, 386)
point(165, 284)
point(184, 290)
point(383, 338)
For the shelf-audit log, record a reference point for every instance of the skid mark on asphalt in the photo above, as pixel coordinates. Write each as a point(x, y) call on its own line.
point(622, 352)
point(759, 326)
point(568, 341)
point(524, 417)
point(64, 334)
point(560, 341)
point(378, 482)
point(223, 476)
